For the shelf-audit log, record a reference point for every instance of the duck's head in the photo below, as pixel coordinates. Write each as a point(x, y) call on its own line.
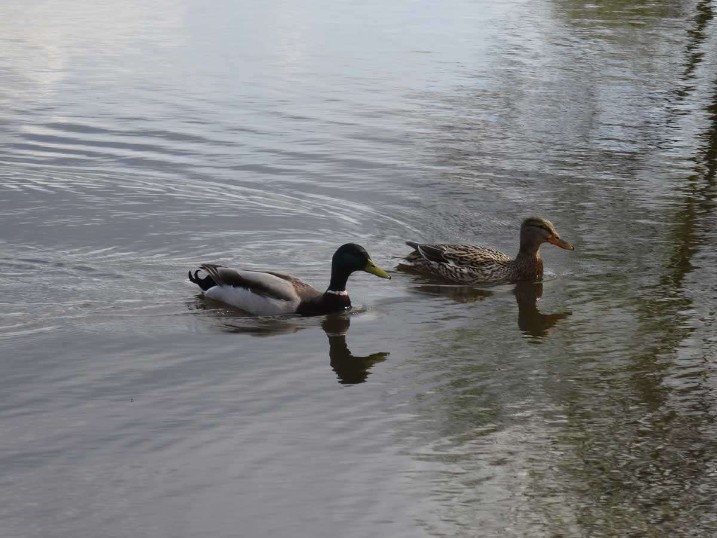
point(352, 257)
point(535, 231)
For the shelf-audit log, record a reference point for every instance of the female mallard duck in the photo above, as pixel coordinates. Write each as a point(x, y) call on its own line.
point(271, 294)
point(468, 264)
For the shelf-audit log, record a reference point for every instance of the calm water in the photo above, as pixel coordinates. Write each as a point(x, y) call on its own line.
point(138, 139)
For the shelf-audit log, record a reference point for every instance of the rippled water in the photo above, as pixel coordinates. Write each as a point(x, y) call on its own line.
point(139, 139)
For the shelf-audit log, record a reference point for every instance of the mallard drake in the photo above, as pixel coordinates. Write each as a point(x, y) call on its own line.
point(270, 294)
point(468, 264)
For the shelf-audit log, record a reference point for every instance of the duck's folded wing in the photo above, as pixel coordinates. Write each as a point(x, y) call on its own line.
point(260, 283)
point(434, 253)
point(459, 254)
point(303, 290)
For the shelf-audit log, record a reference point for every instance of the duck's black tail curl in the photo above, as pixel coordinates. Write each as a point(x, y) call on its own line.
point(204, 283)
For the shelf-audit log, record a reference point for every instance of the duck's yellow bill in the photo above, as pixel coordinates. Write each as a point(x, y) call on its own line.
point(376, 270)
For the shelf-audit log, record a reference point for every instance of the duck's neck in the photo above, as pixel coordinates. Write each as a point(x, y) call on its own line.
point(529, 247)
point(528, 263)
point(336, 298)
point(338, 281)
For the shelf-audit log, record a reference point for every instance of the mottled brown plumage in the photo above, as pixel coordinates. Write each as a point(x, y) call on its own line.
point(468, 264)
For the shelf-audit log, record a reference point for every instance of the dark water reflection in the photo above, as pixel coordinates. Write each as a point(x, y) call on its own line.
point(140, 139)
point(350, 369)
point(532, 322)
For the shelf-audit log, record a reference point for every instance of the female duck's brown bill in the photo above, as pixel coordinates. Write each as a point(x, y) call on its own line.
point(555, 240)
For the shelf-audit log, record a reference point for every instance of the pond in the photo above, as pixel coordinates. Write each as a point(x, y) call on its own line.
point(139, 140)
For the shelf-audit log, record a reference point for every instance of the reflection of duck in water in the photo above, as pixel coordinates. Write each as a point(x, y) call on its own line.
point(235, 321)
point(271, 294)
point(349, 369)
point(460, 294)
point(469, 264)
point(531, 321)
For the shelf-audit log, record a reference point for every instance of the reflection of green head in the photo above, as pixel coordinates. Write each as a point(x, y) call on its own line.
point(349, 258)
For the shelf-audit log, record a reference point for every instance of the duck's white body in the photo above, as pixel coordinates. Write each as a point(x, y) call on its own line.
point(283, 299)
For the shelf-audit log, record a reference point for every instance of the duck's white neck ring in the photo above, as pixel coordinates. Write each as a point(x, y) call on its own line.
point(335, 292)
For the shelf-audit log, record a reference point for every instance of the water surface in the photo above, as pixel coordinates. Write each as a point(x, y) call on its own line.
point(138, 140)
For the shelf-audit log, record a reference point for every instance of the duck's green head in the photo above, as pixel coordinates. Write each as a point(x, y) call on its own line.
point(536, 230)
point(352, 257)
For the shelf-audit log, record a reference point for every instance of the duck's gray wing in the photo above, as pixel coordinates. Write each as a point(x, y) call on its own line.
point(303, 290)
point(261, 283)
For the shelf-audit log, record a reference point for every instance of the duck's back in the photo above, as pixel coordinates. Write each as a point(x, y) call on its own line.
point(464, 264)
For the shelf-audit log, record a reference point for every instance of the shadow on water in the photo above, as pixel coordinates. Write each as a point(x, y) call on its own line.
point(650, 469)
point(350, 369)
point(533, 323)
point(698, 35)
